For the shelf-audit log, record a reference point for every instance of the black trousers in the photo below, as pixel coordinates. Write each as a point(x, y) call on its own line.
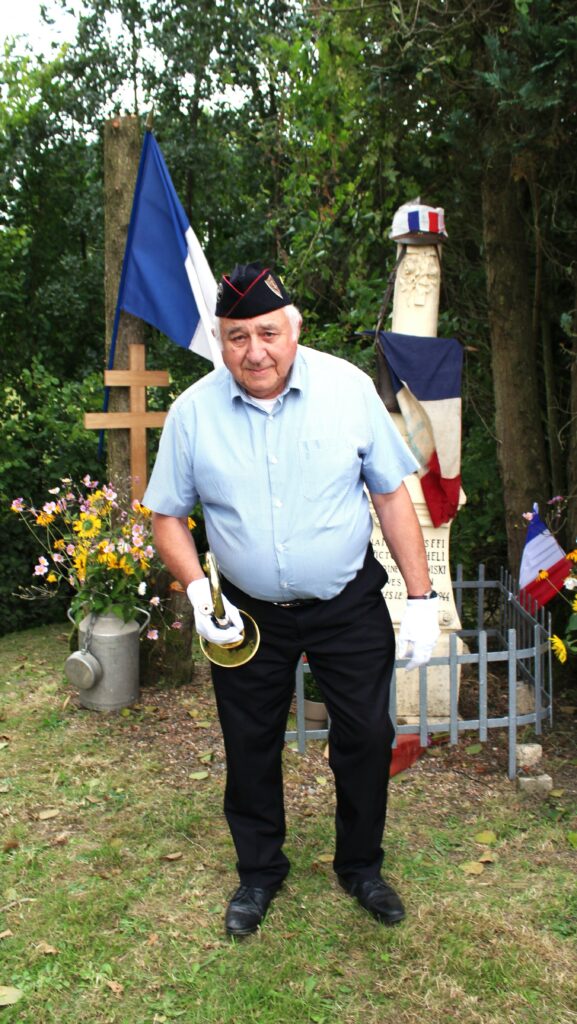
point(350, 645)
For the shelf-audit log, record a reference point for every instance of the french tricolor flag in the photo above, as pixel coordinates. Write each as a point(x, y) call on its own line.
point(544, 565)
point(166, 279)
point(426, 378)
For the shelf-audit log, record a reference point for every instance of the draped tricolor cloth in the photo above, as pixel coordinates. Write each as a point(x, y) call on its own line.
point(544, 565)
point(426, 378)
point(166, 279)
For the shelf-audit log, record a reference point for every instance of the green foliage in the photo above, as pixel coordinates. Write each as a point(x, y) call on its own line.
point(292, 132)
point(44, 440)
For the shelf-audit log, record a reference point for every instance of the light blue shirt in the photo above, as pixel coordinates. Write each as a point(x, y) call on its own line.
point(285, 507)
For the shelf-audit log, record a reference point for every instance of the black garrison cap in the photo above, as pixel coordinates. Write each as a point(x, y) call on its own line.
point(250, 290)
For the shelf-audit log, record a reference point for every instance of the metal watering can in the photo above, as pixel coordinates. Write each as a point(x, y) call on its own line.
point(105, 668)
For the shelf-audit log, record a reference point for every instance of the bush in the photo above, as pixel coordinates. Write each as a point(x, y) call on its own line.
point(44, 440)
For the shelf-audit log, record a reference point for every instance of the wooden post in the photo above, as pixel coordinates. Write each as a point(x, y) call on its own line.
point(135, 420)
point(122, 145)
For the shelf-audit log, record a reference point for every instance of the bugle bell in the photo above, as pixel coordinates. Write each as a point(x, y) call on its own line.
point(240, 651)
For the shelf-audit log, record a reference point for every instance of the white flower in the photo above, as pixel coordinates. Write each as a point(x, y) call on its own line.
point(570, 583)
point(142, 588)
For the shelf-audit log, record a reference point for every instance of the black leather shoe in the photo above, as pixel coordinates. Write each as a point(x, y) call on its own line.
point(247, 909)
point(377, 897)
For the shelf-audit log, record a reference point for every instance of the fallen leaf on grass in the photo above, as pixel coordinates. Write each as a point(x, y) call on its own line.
point(556, 793)
point(50, 812)
point(474, 748)
point(46, 949)
point(572, 839)
point(61, 839)
point(9, 996)
point(321, 780)
point(472, 867)
point(7, 934)
point(487, 838)
point(488, 858)
point(197, 776)
point(203, 725)
point(10, 844)
point(172, 856)
point(152, 939)
point(207, 757)
point(325, 858)
point(115, 987)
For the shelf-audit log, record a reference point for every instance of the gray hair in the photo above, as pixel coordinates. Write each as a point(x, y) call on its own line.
point(294, 318)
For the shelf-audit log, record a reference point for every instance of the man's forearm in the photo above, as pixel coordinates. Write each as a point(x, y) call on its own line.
point(402, 532)
point(176, 547)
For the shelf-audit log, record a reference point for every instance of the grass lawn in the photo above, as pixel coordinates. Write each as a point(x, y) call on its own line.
point(116, 864)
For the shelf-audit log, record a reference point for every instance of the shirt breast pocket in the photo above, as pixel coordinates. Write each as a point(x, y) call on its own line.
point(328, 467)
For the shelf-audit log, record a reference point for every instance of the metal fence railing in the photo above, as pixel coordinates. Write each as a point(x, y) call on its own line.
point(498, 630)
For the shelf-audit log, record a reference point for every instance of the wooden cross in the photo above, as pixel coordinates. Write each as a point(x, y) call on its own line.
point(137, 378)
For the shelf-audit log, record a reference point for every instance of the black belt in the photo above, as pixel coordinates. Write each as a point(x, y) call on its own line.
point(299, 603)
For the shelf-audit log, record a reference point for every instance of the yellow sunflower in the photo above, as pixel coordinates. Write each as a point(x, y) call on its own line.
point(88, 525)
point(559, 649)
point(80, 558)
point(44, 519)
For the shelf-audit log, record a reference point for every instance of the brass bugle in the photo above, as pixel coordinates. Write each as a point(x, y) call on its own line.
point(240, 651)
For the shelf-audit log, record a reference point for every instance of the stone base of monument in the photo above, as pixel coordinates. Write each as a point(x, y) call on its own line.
point(438, 676)
point(438, 691)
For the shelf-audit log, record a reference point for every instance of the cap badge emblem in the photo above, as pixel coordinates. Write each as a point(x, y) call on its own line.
point(271, 283)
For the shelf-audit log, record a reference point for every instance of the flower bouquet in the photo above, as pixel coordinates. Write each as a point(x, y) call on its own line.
point(92, 545)
point(567, 644)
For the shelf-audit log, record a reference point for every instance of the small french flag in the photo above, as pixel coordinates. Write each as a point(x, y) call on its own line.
point(544, 565)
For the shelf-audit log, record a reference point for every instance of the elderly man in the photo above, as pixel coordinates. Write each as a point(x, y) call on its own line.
point(280, 446)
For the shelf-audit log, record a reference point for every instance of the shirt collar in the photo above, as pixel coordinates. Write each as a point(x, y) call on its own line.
point(294, 383)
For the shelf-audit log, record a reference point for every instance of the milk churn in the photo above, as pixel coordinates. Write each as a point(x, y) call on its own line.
point(105, 668)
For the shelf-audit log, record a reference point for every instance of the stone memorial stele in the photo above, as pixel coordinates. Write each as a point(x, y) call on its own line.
point(415, 313)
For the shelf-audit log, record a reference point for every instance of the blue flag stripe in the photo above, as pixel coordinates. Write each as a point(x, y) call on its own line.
point(155, 285)
point(430, 366)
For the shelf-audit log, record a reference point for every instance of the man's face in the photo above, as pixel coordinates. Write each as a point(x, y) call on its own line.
point(259, 352)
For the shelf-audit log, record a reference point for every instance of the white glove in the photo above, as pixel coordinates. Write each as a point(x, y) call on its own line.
point(419, 631)
point(199, 595)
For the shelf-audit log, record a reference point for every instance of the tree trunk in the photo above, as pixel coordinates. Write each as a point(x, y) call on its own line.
point(121, 157)
point(521, 444)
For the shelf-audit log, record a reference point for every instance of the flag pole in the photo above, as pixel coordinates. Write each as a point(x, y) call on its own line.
point(118, 310)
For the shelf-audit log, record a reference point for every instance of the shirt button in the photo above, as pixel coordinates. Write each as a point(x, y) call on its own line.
point(273, 459)
point(284, 584)
point(277, 503)
point(280, 547)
